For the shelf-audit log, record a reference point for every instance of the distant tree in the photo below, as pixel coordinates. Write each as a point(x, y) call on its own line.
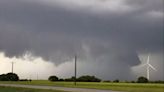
point(70, 79)
point(107, 81)
point(53, 78)
point(12, 77)
point(3, 77)
point(116, 81)
point(132, 81)
point(88, 78)
point(60, 79)
point(30, 80)
point(142, 80)
point(159, 81)
point(9, 77)
point(73, 78)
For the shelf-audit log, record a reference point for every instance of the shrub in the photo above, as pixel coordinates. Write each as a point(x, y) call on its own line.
point(23, 80)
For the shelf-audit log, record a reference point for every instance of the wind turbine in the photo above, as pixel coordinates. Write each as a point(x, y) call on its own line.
point(148, 66)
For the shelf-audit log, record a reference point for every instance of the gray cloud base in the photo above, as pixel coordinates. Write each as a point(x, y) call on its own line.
point(56, 33)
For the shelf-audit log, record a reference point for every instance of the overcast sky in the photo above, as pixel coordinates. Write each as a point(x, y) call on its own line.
point(112, 38)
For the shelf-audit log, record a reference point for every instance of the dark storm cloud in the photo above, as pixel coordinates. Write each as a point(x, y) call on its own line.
point(56, 33)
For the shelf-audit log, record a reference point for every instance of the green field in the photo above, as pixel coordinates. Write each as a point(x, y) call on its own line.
point(128, 87)
point(15, 89)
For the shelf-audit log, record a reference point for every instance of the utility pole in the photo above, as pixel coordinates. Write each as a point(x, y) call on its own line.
point(37, 76)
point(12, 67)
point(75, 69)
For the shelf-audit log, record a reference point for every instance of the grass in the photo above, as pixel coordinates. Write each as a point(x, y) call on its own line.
point(128, 87)
point(17, 89)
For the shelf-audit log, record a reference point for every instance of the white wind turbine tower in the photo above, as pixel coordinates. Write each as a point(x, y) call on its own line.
point(148, 66)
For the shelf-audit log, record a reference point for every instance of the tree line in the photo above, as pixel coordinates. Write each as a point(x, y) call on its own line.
point(84, 78)
point(88, 78)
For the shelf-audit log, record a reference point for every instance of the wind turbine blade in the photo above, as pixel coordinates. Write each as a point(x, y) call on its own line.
point(143, 65)
point(152, 67)
point(148, 59)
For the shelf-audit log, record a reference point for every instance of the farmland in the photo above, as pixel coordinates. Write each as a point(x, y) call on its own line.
point(128, 87)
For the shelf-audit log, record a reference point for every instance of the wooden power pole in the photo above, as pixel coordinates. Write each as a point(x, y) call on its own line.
point(12, 67)
point(75, 69)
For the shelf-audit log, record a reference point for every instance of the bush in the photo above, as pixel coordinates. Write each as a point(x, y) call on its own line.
point(53, 78)
point(23, 80)
point(142, 80)
point(9, 77)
